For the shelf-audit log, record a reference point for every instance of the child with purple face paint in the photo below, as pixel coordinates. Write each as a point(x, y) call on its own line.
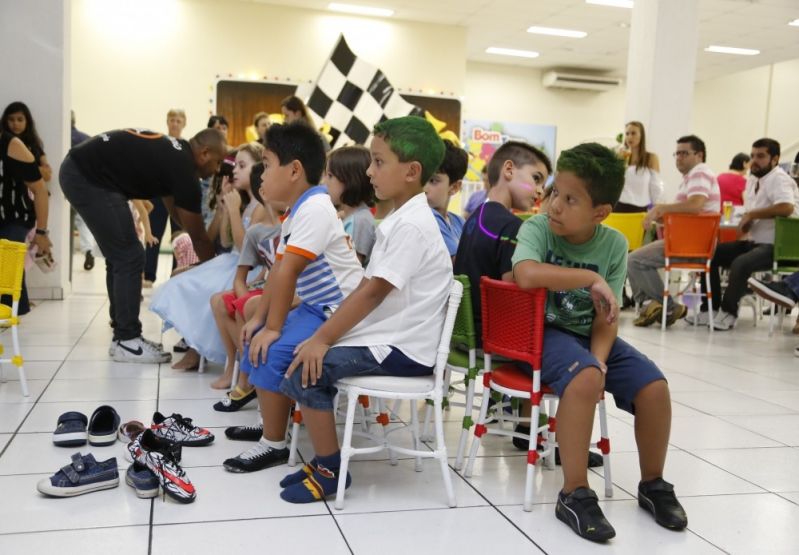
point(516, 174)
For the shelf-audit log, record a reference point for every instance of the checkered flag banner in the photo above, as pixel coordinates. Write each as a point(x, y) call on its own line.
point(353, 96)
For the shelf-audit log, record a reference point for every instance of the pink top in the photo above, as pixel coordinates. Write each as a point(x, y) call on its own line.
point(732, 187)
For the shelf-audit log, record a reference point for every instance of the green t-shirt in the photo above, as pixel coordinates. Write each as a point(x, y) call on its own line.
point(605, 253)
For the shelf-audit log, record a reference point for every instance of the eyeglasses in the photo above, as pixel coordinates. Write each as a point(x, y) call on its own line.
point(683, 153)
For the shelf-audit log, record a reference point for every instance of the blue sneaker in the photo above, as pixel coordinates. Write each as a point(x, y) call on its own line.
point(142, 480)
point(71, 430)
point(83, 475)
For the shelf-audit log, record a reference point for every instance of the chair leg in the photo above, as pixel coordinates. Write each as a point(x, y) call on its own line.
point(468, 411)
point(479, 429)
point(665, 299)
point(346, 450)
point(604, 446)
point(415, 431)
point(428, 413)
point(709, 300)
point(296, 420)
point(441, 450)
point(201, 366)
point(234, 380)
point(532, 458)
point(18, 361)
point(552, 428)
point(384, 420)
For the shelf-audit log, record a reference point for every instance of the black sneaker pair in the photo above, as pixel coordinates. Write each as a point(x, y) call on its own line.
point(580, 510)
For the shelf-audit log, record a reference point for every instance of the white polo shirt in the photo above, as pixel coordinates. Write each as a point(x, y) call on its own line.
point(410, 254)
point(313, 230)
point(776, 187)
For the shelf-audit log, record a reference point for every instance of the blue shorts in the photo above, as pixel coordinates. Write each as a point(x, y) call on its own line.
point(301, 323)
point(566, 354)
point(345, 362)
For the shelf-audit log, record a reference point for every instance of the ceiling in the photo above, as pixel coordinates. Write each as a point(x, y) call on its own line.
point(758, 24)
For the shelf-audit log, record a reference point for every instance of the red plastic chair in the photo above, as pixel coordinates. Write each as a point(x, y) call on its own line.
point(513, 326)
point(692, 238)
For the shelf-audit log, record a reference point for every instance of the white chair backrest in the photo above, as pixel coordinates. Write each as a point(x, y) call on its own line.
point(455, 295)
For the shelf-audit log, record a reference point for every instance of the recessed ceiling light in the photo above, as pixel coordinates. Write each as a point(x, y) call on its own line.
point(732, 50)
point(512, 52)
point(360, 10)
point(795, 23)
point(613, 3)
point(557, 32)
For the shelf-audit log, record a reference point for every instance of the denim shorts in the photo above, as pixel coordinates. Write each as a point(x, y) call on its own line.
point(566, 354)
point(346, 362)
point(301, 323)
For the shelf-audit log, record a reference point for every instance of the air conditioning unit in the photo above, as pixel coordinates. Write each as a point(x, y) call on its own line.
point(559, 80)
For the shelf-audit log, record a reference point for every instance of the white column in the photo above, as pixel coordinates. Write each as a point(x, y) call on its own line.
point(661, 67)
point(35, 65)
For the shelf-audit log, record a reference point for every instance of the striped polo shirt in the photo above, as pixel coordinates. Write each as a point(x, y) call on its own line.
point(313, 230)
point(701, 181)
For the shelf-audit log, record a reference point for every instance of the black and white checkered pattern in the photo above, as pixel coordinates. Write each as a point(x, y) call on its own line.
point(353, 96)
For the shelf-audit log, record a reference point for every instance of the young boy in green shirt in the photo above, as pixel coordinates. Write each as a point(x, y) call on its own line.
point(583, 265)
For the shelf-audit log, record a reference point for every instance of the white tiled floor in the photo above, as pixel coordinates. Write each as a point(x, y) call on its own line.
point(733, 457)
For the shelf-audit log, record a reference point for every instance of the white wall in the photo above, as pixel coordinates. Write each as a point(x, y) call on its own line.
point(509, 93)
point(35, 69)
point(733, 111)
point(135, 60)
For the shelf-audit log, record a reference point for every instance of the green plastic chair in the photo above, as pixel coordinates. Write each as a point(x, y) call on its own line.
point(786, 258)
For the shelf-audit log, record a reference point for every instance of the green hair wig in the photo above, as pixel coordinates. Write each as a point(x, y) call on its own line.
point(413, 139)
point(600, 168)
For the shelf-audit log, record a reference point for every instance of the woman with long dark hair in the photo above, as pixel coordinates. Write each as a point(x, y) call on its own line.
point(642, 185)
point(18, 121)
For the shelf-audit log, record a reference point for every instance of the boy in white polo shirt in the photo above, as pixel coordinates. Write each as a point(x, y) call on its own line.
point(391, 324)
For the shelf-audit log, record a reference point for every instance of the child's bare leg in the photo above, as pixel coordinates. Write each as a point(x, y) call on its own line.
point(575, 420)
point(652, 428)
point(222, 322)
point(275, 409)
point(321, 426)
point(243, 380)
point(190, 361)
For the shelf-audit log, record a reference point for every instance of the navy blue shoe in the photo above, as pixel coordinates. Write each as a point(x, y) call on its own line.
point(140, 478)
point(71, 430)
point(103, 426)
point(83, 475)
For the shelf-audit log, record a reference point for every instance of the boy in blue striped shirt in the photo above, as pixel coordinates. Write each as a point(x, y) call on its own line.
point(315, 261)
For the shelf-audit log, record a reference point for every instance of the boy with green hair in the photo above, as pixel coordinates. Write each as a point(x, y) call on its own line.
point(391, 324)
point(583, 264)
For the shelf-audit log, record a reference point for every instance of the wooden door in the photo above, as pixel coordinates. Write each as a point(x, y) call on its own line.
point(239, 101)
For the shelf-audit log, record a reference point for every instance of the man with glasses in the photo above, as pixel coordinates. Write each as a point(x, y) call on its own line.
point(698, 193)
point(769, 193)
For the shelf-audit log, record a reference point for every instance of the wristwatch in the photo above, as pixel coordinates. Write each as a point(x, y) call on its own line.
point(41, 231)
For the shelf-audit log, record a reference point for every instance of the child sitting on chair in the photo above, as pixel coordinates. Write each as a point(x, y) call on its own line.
point(391, 324)
point(583, 264)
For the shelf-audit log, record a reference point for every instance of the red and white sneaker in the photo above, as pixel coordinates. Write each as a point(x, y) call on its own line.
point(180, 430)
point(161, 458)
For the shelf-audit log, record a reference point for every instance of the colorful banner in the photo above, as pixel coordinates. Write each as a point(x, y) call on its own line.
point(481, 138)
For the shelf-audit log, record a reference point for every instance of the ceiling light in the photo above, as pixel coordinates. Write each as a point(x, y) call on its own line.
point(795, 23)
point(512, 52)
point(557, 32)
point(360, 10)
point(732, 50)
point(612, 3)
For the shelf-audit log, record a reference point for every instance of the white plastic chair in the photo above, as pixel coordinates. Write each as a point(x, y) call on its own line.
point(12, 264)
point(413, 389)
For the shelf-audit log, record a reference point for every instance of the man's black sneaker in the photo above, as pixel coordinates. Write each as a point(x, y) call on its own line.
point(244, 433)
point(581, 512)
point(88, 261)
point(231, 404)
point(657, 497)
point(257, 457)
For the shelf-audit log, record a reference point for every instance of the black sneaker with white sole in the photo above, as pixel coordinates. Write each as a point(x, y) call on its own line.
point(231, 404)
point(657, 496)
point(257, 457)
point(581, 512)
point(139, 350)
point(245, 433)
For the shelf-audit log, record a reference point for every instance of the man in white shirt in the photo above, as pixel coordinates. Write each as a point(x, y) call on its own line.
point(698, 193)
point(769, 193)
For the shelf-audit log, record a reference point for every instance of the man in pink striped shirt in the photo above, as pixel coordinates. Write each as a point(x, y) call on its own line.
point(698, 193)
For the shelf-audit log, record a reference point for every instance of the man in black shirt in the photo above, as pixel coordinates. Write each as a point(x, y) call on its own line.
point(98, 178)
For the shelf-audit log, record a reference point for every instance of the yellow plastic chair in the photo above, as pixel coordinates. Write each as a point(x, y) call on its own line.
point(629, 225)
point(12, 264)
